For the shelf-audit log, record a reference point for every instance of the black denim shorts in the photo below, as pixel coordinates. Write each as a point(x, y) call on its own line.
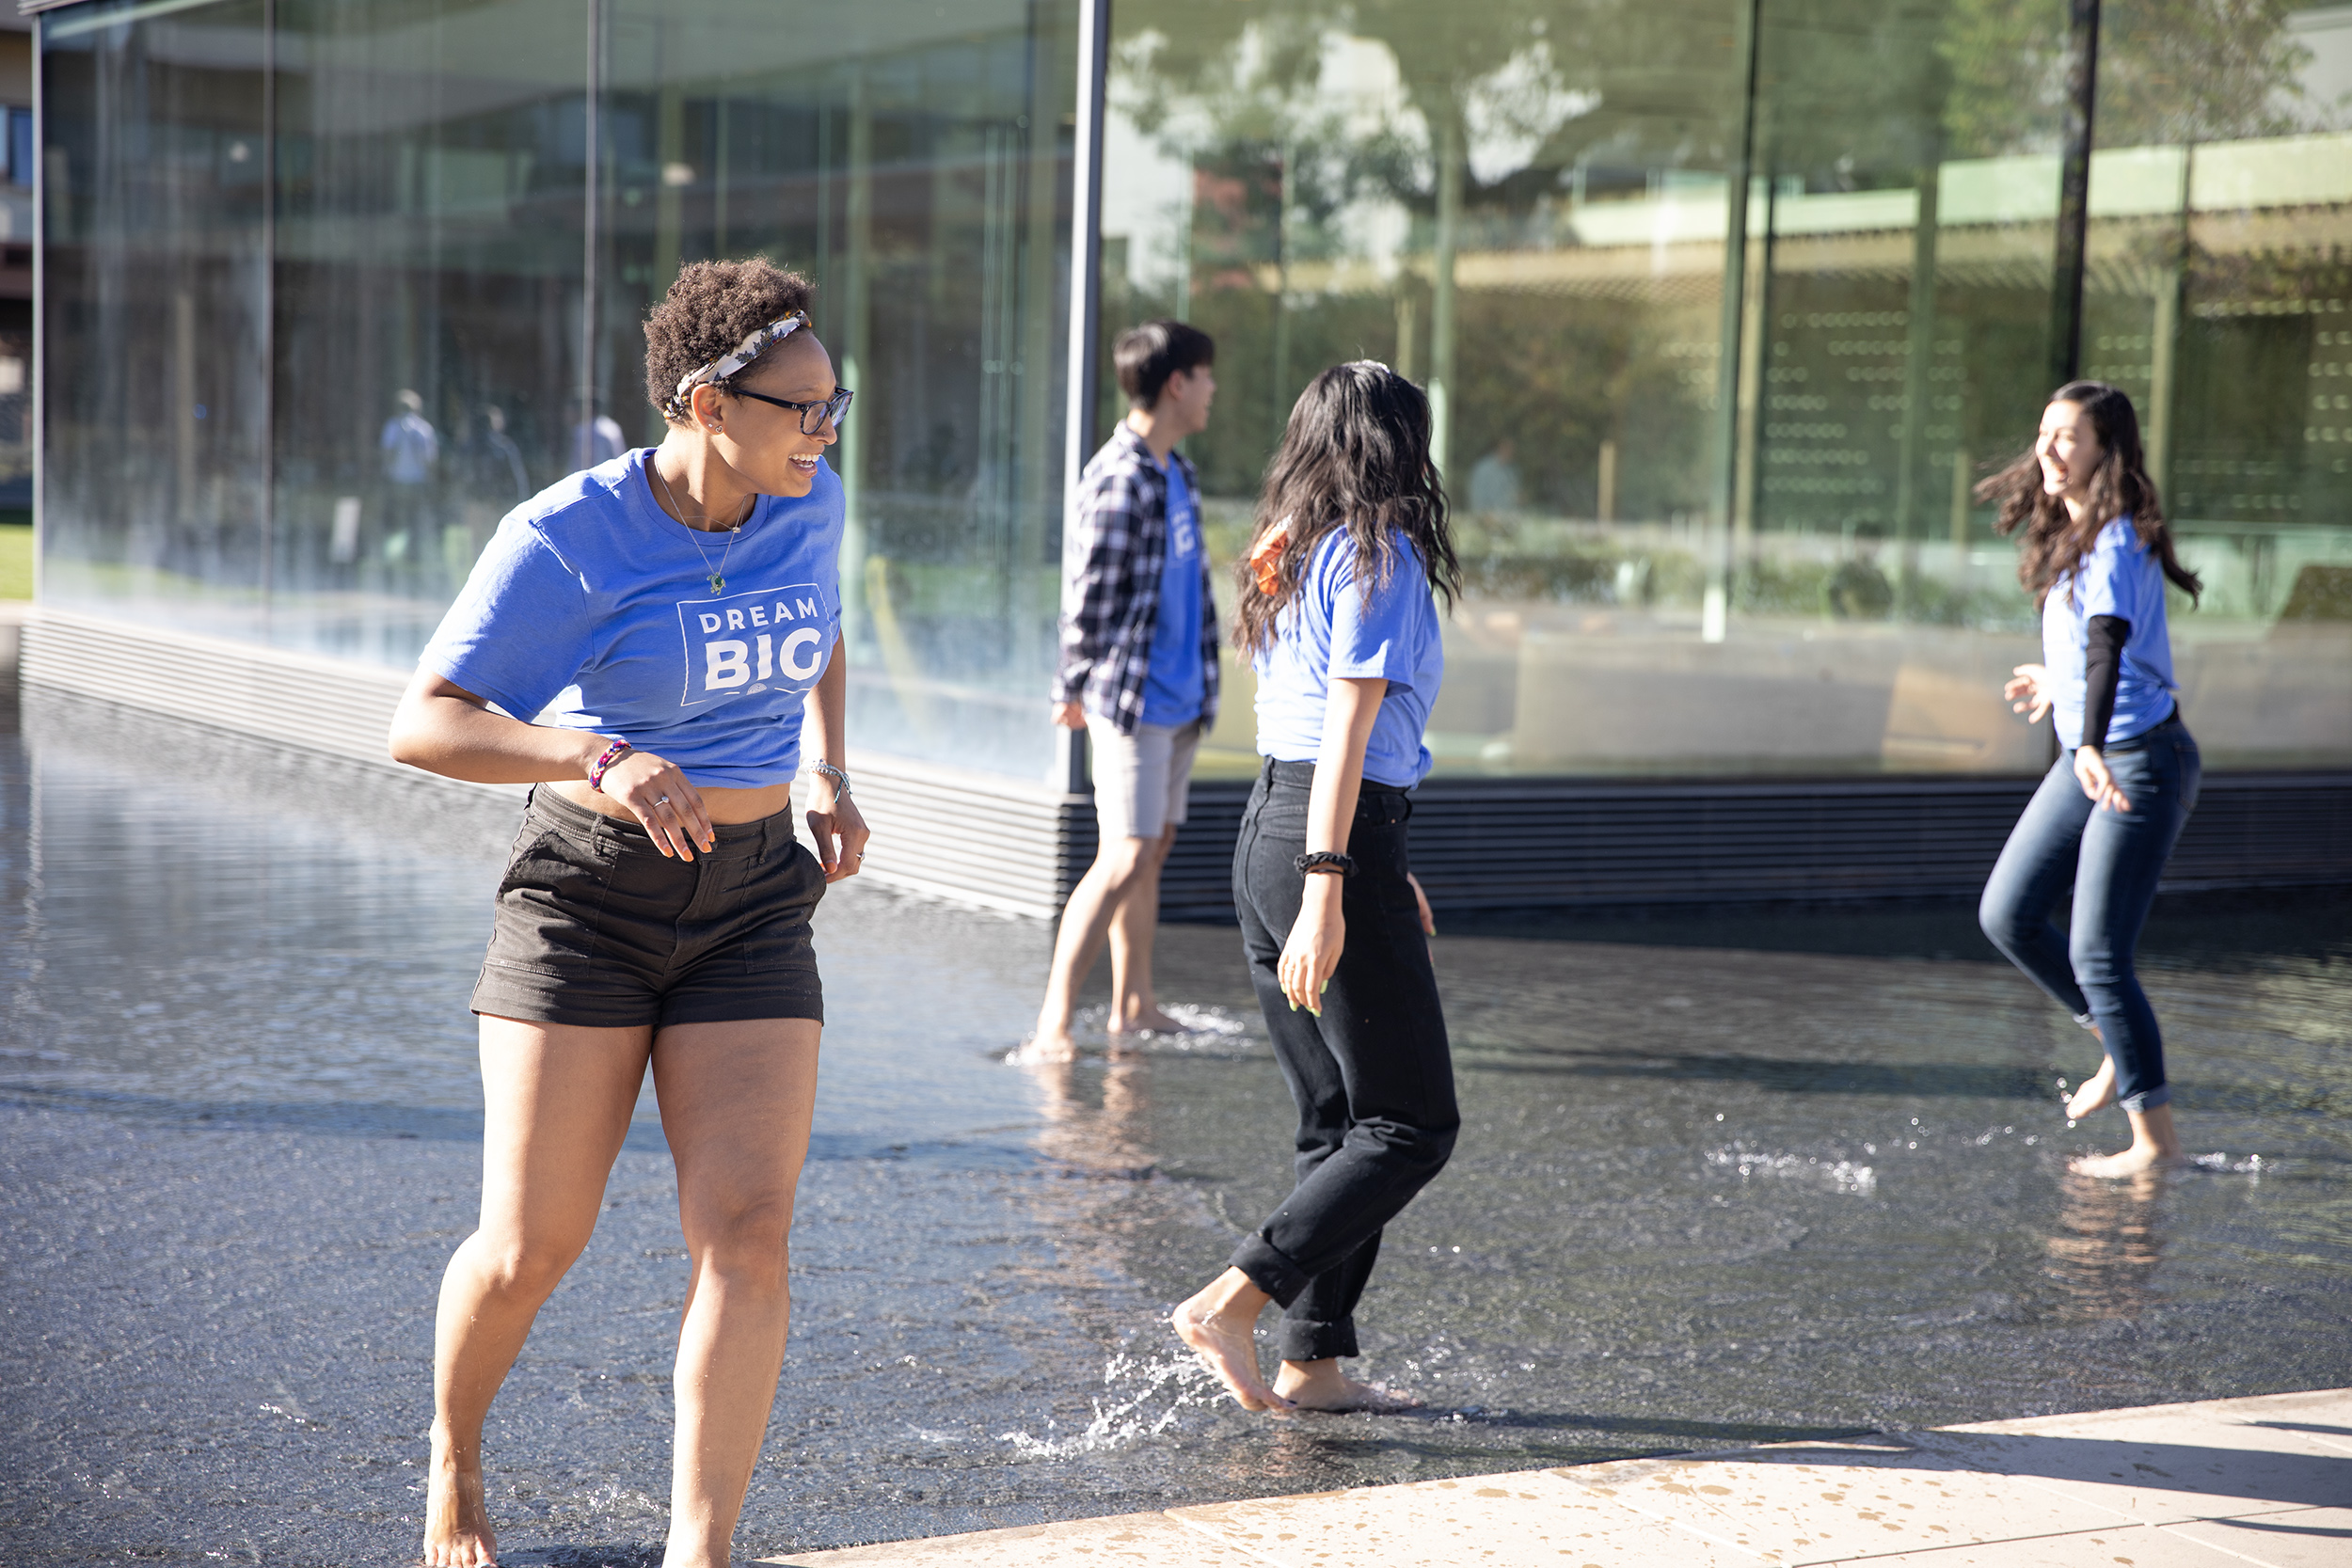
point(596, 928)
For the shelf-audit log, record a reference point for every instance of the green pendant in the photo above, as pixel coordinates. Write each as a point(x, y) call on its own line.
point(717, 585)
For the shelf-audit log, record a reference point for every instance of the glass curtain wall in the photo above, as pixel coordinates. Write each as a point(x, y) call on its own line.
point(2219, 295)
point(157, 294)
point(334, 283)
point(1710, 455)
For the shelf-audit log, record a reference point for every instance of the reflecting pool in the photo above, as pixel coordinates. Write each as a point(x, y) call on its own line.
point(1720, 1180)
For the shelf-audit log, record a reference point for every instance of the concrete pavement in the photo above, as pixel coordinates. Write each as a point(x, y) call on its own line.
point(2264, 1481)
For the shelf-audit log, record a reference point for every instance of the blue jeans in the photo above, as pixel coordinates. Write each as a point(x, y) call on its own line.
point(2113, 858)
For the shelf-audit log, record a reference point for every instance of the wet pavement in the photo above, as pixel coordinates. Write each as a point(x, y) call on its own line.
point(1721, 1182)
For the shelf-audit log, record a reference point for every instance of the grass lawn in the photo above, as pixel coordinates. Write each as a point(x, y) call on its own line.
point(16, 561)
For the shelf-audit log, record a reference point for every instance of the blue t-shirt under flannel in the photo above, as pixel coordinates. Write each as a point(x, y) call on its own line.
point(1172, 681)
point(592, 609)
point(1331, 631)
point(2123, 578)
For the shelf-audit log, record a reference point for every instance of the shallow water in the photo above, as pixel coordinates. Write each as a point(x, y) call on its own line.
point(1720, 1182)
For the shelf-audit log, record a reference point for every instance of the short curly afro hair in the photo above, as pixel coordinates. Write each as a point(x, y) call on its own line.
point(711, 308)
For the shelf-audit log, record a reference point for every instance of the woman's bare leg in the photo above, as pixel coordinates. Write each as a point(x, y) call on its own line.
point(735, 1102)
point(556, 1103)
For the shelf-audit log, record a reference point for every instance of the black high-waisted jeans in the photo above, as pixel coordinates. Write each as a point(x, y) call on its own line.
point(1372, 1077)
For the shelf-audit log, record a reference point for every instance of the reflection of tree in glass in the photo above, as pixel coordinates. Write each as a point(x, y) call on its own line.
point(2169, 71)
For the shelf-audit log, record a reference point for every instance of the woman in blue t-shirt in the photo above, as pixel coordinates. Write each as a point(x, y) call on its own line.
point(652, 632)
point(2095, 553)
point(1336, 610)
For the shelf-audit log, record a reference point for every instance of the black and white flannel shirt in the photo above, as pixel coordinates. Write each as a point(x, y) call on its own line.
point(1112, 558)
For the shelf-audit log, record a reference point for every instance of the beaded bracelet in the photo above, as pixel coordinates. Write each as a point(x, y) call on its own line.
point(840, 779)
point(603, 764)
point(1328, 862)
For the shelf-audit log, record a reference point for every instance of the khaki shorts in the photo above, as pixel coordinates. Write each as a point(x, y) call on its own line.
point(1142, 781)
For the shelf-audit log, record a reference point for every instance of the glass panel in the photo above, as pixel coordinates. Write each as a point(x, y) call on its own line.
point(430, 235)
point(1901, 341)
point(1524, 206)
point(430, 185)
point(157, 294)
point(916, 166)
point(2220, 299)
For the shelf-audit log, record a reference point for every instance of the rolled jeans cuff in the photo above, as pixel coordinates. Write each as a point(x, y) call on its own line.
point(1270, 1269)
point(1303, 1340)
point(2148, 1099)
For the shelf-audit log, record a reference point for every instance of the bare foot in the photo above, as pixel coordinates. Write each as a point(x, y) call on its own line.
point(2097, 1092)
point(1321, 1385)
point(457, 1530)
point(1220, 1324)
point(2135, 1161)
point(1047, 1045)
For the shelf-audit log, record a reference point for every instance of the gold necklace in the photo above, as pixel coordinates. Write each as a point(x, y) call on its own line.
point(716, 575)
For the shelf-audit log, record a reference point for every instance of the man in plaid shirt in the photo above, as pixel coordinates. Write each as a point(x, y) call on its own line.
point(1139, 669)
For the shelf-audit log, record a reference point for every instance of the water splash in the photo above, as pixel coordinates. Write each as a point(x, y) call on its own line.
point(2253, 1164)
point(1844, 1175)
point(1148, 1394)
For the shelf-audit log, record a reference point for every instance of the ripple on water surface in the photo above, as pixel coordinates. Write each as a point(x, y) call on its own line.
point(1704, 1194)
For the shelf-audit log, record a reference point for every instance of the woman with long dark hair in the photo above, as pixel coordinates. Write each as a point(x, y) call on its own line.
point(1336, 613)
point(2095, 554)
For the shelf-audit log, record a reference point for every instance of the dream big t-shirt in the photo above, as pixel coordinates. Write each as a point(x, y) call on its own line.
point(1173, 683)
point(592, 609)
point(1333, 630)
point(2123, 578)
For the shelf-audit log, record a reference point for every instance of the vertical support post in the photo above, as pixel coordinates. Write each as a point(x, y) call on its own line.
point(1918, 359)
point(269, 306)
point(591, 237)
point(1715, 618)
point(856, 320)
point(1086, 307)
point(2164, 336)
point(1451, 158)
point(2073, 215)
point(41, 338)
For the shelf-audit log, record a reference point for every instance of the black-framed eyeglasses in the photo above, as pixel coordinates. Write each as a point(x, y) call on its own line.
point(813, 416)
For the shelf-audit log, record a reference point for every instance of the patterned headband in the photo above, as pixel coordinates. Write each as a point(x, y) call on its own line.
point(748, 350)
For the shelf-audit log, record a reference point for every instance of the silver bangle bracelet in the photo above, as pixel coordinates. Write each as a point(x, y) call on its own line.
point(841, 780)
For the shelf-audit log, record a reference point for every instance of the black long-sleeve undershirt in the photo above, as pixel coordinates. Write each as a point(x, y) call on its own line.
point(2103, 672)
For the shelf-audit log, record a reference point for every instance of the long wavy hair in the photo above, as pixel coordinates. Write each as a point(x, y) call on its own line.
point(2053, 543)
point(1354, 455)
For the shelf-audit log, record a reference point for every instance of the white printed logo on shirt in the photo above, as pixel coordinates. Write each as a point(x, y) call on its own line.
point(748, 642)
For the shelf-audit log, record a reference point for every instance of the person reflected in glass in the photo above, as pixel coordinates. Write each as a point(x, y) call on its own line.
point(656, 911)
point(1138, 673)
point(1336, 613)
point(499, 465)
point(596, 436)
point(2095, 551)
point(1494, 480)
point(412, 452)
point(1858, 591)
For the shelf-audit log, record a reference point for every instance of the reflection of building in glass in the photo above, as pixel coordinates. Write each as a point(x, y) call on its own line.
point(1713, 364)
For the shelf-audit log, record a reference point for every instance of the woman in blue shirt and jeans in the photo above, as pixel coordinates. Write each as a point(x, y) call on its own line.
point(2096, 554)
point(1336, 610)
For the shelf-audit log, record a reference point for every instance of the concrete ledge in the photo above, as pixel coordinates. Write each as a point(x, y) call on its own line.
point(976, 838)
point(2264, 1481)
